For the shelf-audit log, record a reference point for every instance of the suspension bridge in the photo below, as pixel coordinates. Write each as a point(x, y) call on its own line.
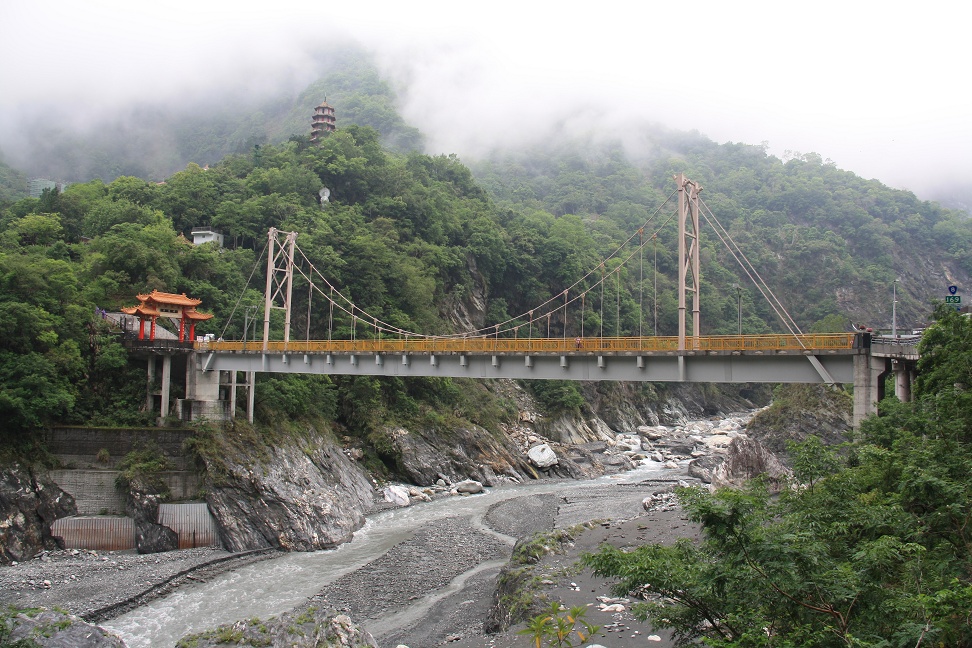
point(562, 338)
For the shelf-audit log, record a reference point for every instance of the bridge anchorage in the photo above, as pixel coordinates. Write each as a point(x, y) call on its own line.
point(553, 340)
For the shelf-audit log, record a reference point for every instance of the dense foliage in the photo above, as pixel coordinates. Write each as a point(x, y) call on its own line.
point(829, 243)
point(873, 550)
point(422, 243)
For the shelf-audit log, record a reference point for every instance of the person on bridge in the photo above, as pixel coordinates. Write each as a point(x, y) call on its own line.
point(577, 341)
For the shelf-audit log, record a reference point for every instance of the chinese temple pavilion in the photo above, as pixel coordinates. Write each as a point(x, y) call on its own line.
point(175, 307)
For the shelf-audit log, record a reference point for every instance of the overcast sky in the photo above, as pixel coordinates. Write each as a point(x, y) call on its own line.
point(881, 88)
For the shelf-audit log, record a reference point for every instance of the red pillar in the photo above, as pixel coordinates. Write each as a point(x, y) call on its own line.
point(152, 333)
point(192, 330)
point(182, 329)
point(141, 328)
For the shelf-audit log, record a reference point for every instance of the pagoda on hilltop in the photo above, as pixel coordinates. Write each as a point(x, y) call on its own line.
point(176, 307)
point(323, 121)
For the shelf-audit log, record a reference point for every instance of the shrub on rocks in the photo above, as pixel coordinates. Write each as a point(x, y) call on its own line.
point(40, 628)
point(309, 628)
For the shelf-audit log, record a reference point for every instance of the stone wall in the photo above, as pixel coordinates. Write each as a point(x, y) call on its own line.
point(79, 447)
point(96, 494)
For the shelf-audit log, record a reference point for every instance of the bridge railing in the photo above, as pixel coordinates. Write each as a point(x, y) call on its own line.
point(527, 346)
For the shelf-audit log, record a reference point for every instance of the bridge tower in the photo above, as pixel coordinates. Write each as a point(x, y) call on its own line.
point(280, 284)
point(688, 256)
point(280, 279)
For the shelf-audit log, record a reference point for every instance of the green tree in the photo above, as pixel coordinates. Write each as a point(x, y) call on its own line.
point(873, 552)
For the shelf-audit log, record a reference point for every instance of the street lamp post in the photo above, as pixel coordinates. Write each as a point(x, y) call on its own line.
point(738, 309)
point(894, 309)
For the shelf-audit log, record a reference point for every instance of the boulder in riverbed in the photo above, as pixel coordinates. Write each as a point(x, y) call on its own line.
point(397, 495)
point(469, 486)
point(542, 456)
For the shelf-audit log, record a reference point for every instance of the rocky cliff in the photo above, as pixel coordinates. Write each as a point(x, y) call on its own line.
point(797, 412)
point(297, 493)
point(29, 504)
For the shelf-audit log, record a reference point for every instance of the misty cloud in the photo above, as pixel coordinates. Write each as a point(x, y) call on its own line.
point(869, 85)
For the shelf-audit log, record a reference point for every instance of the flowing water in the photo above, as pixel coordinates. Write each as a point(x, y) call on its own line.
point(271, 587)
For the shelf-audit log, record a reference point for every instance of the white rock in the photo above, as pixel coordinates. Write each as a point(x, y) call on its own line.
point(718, 441)
point(542, 456)
point(397, 495)
point(617, 607)
point(470, 486)
point(654, 433)
point(652, 638)
point(631, 442)
point(671, 464)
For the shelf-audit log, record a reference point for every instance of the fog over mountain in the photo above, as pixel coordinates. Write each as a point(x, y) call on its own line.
point(871, 86)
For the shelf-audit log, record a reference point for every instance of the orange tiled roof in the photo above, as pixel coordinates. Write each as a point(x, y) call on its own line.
point(169, 298)
point(141, 310)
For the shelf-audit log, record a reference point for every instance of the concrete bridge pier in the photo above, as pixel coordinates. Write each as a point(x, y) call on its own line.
point(904, 376)
point(869, 375)
point(166, 385)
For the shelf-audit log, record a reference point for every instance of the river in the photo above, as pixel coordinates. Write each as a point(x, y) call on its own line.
point(271, 587)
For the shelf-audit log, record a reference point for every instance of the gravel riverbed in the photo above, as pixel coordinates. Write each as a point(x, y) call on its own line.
point(433, 589)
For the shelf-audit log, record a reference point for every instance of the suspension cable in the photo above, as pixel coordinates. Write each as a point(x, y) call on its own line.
point(602, 302)
point(617, 321)
point(240, 298)
point(565, 315)
point(753, 274)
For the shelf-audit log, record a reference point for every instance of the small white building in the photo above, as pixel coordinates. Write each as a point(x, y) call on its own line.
point(202, 235)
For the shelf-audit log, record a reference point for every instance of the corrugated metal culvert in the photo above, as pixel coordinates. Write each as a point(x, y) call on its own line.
point(100, 533)
point(193, 523)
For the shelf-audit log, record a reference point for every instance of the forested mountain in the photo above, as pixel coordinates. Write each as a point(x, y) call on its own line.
point(829, 242)
point(13, 183)
point(425, 244)
point(153, 140)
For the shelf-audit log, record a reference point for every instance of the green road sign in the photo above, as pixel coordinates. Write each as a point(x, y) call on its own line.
point(953, 299)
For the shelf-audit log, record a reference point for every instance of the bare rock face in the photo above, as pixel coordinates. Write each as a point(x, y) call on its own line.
point(702, 467)
point(295, 498)
point(571, 429)
point(142, 505)
point(800, 411)
point(47, 628)
point(427, 455)
point(747, 459)
point(308, 628)
point(29, 504)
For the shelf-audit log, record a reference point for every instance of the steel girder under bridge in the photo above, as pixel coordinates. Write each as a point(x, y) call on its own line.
point(828, 359)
